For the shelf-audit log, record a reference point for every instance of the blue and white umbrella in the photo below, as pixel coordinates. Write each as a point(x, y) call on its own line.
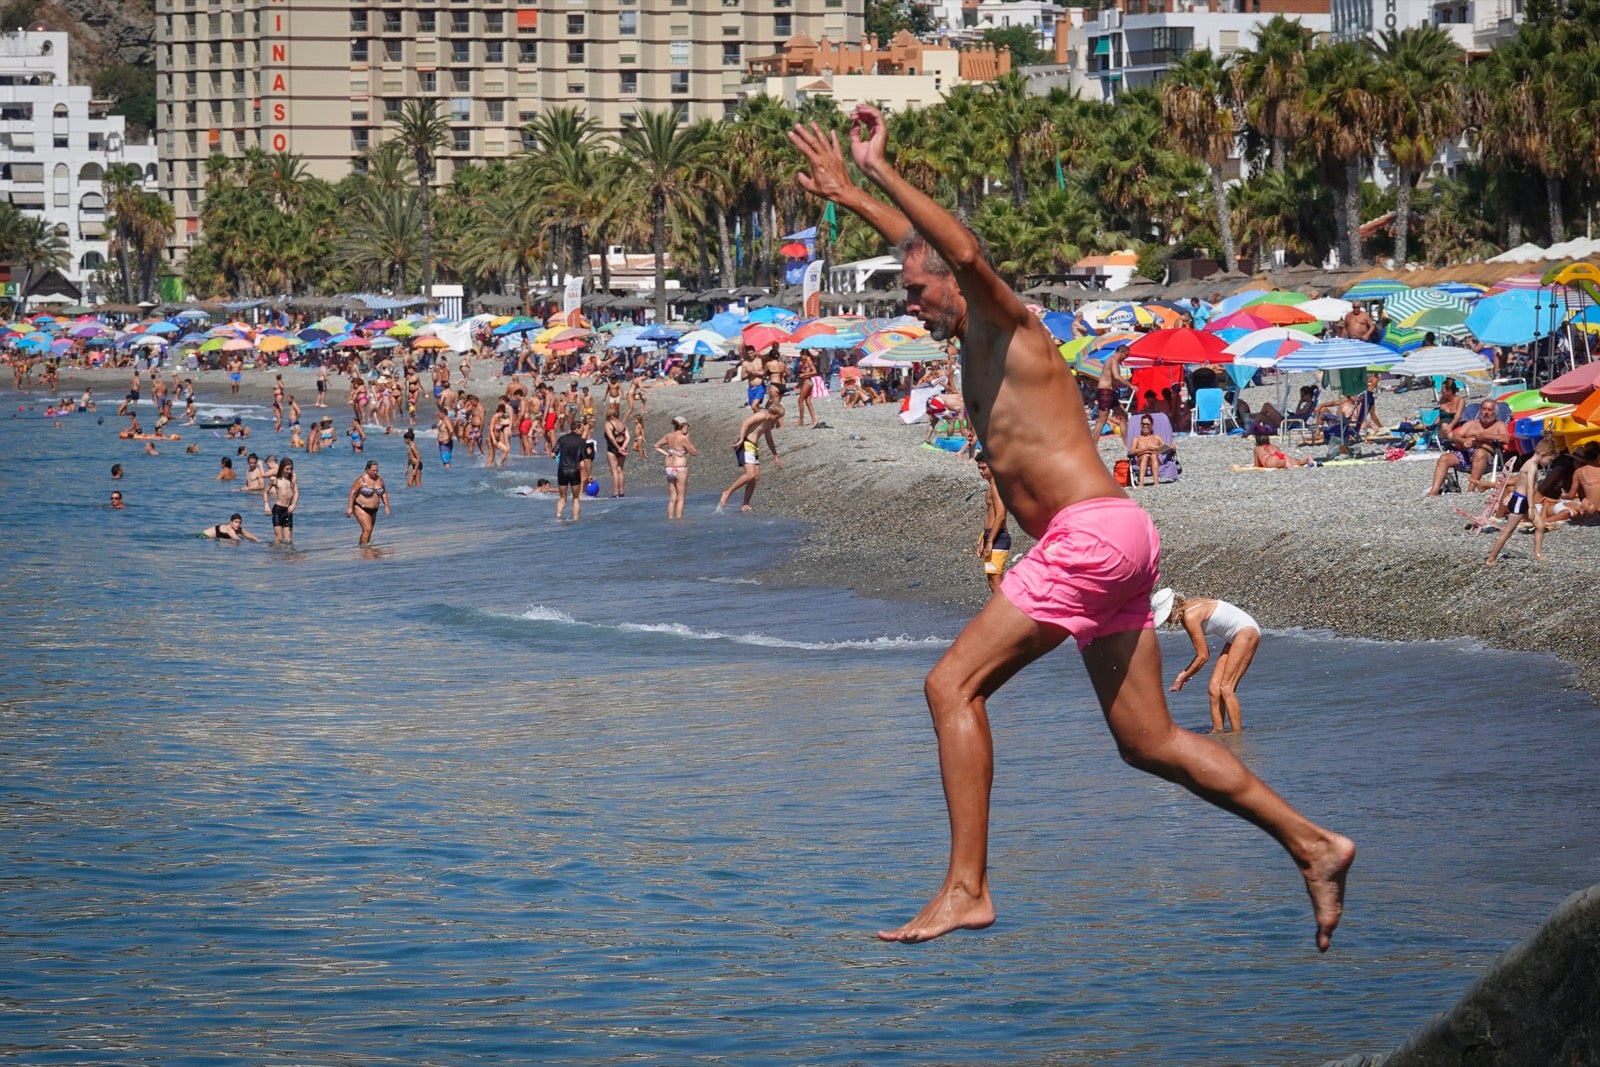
point(830, 340)
point(700, 347)
point(1338, 353)
point(659, 333)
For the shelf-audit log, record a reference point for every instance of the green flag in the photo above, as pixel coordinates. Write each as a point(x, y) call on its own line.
point(831, 217)
point(1061, 179)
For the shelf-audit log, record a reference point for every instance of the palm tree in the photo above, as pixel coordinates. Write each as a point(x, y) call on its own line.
point(1197, 103)
point(1341, 109)
point(33, 244)
point(1421, 71)
point(1014, 120)
point(423, 131)
point(665, 159)
point(1271, 77)
point(380, 238)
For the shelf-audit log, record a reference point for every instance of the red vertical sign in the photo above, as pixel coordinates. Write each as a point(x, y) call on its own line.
point(275, 74)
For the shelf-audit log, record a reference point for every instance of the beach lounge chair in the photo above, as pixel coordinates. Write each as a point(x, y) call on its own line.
point(1167, 467)
point(1208, 411)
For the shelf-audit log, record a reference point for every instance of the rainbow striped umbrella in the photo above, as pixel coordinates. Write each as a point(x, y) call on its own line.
point(915, 350)
point(876, 344)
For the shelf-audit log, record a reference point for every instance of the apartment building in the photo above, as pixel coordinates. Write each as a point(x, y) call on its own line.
point(55, 145)
point(324, 78)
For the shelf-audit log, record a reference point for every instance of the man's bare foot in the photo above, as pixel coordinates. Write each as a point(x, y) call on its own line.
point(952, 909)
point(1538, 557)
point(1324, 873)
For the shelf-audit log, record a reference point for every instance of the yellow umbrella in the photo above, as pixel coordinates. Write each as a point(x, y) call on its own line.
point(500, 320)
point(548, 333)
point(274, 343)
point(430, 342)
point(401, 329)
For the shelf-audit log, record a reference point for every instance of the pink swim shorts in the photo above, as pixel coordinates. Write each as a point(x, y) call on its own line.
point(1092, 572)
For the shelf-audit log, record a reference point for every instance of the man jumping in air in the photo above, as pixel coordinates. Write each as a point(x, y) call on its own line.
point(1090, 576)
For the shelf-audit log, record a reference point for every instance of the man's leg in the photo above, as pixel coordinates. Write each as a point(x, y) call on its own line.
point(995, 645)
point(1126, 671)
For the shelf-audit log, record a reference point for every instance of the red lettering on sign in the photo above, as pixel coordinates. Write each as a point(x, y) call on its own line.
point(277, 24)
point(280, 53)
point(279, 113)
point(278, 84)
point(280, 143)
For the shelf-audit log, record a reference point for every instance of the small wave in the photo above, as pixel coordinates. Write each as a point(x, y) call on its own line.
point(731, 581)
point(541, 613)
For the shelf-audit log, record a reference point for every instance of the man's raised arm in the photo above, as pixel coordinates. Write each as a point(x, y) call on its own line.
point(944, 233)
point(829, 180)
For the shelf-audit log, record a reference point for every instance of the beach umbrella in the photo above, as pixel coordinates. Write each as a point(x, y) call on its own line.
point(772, 314)
point(1574, 386)
point(710, 337)
point(628, 338)
point(1238, 320)
point(518, 325)
point(237, 344)
point(1375, 289)
point(1328, 308)
point(1515, 317)
point(725, 323)
point(665, 333)
point(915, 350)
point(1125, 315)
point(1073, 350)
point(402, 329)
point(275, 343)
point(87, 330)
point(1237, 302)
point(1284, 315)
point(1266, 347)
point(213, 344)
point(354, 342)
point(314, 334)
point(161, 327)
point(1465, 290)
point(34, 340)
point(1337, 353)
point(830, 341)
point(1436, 320)
point(794, 250)
point(1406, 306)
point(760, 336)
point(378, 324)
point(812, 329)
point(385, 342)
point(1059, 323)
point(190, 314)
point(1400, 339)
point(875, 344)
point(1441, 359)
point(1279, 297)
point(60, 345)
point(192, 339)
point(430, 343)
point(697, 347)
point(1180, 346)
point(332, 324)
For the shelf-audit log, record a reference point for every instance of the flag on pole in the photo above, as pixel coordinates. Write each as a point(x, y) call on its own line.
point(1061, 179)
point(831, 217)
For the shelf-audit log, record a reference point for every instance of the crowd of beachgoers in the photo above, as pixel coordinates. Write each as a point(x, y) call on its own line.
point(867, 418)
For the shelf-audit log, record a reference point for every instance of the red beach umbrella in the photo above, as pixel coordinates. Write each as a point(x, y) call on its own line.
point(812, 329)
point(794, 250)
point(1573, 386)
point(1239, 320)
point(762, 335)
point(1180, 346)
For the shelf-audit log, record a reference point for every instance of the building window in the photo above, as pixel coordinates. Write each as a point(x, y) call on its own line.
point(461, 140)
point(358, 22)
point(460, 22)
point(782, 26)
point(391, 22)
point(730, 54)
point(427, 22)
point(679, 29)
point(575, 25)
point(527, 53)
point(574, 51)
point(60, 140)
point(427, 81)
point(461, 51)
point(358, 140)
point(393, 51)
point(461, 81)
point(680, 82)
point(358, 115)
point(494, 22)
point(460, 108)
point(391, 109)
point(628, 23)
point(630, 83)
point(494, 52)
point(496, 110)
point(680, 53)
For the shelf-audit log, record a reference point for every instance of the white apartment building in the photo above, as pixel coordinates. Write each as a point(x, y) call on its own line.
point(55, 146)
point(1132, 48)
point(1476, 25)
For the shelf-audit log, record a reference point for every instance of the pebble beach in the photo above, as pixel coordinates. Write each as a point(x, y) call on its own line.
point(1356, 550)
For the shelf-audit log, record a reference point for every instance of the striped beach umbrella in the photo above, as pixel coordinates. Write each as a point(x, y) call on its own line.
point(876, 344)
point(1441, 359)
point(1375, 289)
point(1337, 353)
point(1403, 339)
point(1407, 306)
point(915, 350)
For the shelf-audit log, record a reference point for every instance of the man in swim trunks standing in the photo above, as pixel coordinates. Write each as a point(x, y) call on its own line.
point(1090, 576)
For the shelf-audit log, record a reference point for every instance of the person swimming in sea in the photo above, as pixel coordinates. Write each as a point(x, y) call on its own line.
point(232, 530)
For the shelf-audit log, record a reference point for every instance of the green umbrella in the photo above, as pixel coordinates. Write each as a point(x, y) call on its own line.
point(1279, 296)
point(214, 344)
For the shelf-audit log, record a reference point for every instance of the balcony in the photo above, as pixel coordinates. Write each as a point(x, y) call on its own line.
point(1156, 57)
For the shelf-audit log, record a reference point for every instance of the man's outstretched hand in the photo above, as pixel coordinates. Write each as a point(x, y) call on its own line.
point(869, 149)
point(827, 177)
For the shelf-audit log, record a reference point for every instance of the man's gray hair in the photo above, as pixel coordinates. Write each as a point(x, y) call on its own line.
point(914, 244)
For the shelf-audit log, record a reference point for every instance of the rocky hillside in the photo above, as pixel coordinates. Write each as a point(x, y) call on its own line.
point(111, 47)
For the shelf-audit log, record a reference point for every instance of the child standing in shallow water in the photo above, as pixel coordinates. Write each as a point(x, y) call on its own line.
point(413, 462)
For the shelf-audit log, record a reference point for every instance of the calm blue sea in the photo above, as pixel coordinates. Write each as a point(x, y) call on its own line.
point(507, 792)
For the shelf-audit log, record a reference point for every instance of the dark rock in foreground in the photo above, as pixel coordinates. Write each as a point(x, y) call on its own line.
point(1539, 1004)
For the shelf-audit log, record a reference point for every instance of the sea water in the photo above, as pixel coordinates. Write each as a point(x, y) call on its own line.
point(499, 790)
